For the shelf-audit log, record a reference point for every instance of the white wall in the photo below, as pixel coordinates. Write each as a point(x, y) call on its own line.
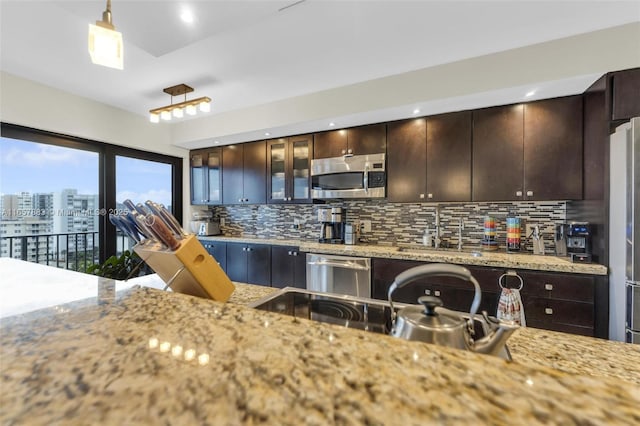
point(27, 103)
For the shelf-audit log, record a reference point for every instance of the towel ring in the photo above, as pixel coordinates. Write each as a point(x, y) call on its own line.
point(510, 274)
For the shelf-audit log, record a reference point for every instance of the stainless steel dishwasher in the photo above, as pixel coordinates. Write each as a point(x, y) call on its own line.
point(339, 274)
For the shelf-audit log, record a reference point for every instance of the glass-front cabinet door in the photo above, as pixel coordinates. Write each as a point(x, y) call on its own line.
point(301, 167)
point(214, 172)
point(288, 167)
point(206, 171)
point(277, 155)
point(198, 186)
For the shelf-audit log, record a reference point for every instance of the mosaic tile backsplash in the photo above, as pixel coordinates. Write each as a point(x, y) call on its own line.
point(395, 223)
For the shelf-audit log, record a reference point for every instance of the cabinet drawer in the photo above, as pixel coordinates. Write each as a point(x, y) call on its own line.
point(550, 312)
point(559, 286)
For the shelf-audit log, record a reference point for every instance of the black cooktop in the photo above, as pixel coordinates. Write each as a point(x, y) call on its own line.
point(347, 311)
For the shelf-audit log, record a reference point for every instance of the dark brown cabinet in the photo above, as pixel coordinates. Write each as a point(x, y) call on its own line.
point(244, 173)
point(553, 149)
point(625, 102)
point(370, 139)
point(288, 169)
point(219, 252)
point(498, 163)
point(449, 157)
point(205, 171)
point(249, 263)
point(528, 152)
point(288, 267)
point(571, 303)
point(455, 294)
point(407, 160)
point(563, 302)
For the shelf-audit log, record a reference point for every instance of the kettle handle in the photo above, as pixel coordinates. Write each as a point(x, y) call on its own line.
point(436, 269)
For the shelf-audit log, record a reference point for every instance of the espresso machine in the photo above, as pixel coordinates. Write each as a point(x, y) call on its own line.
point(574, 240)
point(331, 225)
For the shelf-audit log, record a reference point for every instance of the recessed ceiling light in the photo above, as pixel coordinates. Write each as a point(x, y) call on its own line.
point(332, 124)
point(529, 94)
point(216, 142)
point(267, 134)
point(186, 16)
point(416, 111)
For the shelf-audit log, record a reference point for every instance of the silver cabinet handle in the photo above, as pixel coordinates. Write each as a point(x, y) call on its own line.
point(248, 248)
point(427, 292)
point(289, 252)
point(548, 286)
point(350, 151)
point(529, 193)
point(295, 253)
point(239, 200)
point(244, 249)
point(548, 311)
point(346, 265)
point(344, 151)
point(518, 193)
point(421, 196)
point(365, 178)
point(429, 195)
point(436, 293)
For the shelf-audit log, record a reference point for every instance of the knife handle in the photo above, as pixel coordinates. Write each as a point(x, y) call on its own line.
point(162, 231)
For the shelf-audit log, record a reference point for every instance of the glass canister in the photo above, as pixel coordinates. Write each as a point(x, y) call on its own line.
point(514, 230)
point(489, 237)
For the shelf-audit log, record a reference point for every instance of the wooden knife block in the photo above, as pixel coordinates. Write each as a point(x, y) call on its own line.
point(190, 269)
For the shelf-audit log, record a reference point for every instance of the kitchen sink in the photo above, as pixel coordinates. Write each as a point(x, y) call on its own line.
point(369, 315)
point(430, 250)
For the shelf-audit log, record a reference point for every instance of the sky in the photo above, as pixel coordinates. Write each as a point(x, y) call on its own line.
point(33, 167)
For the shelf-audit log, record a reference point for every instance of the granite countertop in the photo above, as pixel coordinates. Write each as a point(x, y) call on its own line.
point(492, 259)
point(142, 355)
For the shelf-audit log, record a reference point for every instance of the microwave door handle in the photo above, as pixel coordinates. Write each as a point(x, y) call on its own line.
point(365, 178)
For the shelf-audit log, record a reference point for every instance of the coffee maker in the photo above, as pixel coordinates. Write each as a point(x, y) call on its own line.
point(574, 240)
point(331, 225)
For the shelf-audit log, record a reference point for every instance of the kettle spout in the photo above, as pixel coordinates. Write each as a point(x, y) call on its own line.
point(494, 342)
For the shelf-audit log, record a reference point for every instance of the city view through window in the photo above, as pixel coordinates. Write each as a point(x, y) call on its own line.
point(49, 201)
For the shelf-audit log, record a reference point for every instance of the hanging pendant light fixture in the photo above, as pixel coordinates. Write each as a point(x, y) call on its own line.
point(178, 110)
point(105, 43)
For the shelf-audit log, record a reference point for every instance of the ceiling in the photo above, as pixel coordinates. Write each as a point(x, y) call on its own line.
point(248, 53)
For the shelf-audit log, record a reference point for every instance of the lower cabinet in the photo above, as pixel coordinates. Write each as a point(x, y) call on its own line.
point(219, 252)
point(571, 303)
point(249, 263)
point(456, 294)
point(288, 267)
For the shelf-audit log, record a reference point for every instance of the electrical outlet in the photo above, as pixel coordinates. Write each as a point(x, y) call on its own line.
point(365, 225)
point(222, 221)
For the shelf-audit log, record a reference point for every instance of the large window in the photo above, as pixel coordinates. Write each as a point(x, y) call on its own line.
point(56, 193)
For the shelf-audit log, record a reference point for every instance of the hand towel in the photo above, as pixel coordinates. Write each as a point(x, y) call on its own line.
point(510, 306)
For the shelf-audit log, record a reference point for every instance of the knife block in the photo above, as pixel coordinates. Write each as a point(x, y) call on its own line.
point(189, 269)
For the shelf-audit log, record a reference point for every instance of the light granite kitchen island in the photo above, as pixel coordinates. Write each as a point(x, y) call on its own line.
point(144, 356)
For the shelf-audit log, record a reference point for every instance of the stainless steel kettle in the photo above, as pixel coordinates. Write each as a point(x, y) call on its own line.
point(432, 324)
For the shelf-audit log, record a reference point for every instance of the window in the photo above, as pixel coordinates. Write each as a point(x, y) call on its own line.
point(88, 179)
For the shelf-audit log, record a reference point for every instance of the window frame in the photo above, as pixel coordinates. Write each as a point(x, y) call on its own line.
point(106, 172)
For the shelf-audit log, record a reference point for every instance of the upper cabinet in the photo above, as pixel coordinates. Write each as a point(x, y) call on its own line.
point(553, 149)
point(370, 139)
point(498, 162)
point(288, 169)
point(449, 157)
point(244, 173)
point(528, 151)
point(206, 176)
point(625, 103)
point(407, 160)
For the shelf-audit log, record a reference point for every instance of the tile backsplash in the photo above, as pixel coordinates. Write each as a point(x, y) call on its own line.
point(394, 223)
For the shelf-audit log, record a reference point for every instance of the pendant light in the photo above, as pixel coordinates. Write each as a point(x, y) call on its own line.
point(105, 43)
point(178, 110)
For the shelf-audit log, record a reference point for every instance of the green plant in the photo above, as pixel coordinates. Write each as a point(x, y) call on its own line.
point(125, 266)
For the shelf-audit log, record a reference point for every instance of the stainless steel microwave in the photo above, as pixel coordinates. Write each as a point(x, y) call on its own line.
point(356, 176)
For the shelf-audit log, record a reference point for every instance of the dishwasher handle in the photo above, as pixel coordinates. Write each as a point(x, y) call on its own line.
point(346, 265)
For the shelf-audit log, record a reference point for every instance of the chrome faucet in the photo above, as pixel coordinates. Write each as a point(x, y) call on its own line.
point(436, 238)
point(460, 228)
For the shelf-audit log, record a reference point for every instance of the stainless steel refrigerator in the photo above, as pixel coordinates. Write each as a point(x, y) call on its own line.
point(624, 226)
